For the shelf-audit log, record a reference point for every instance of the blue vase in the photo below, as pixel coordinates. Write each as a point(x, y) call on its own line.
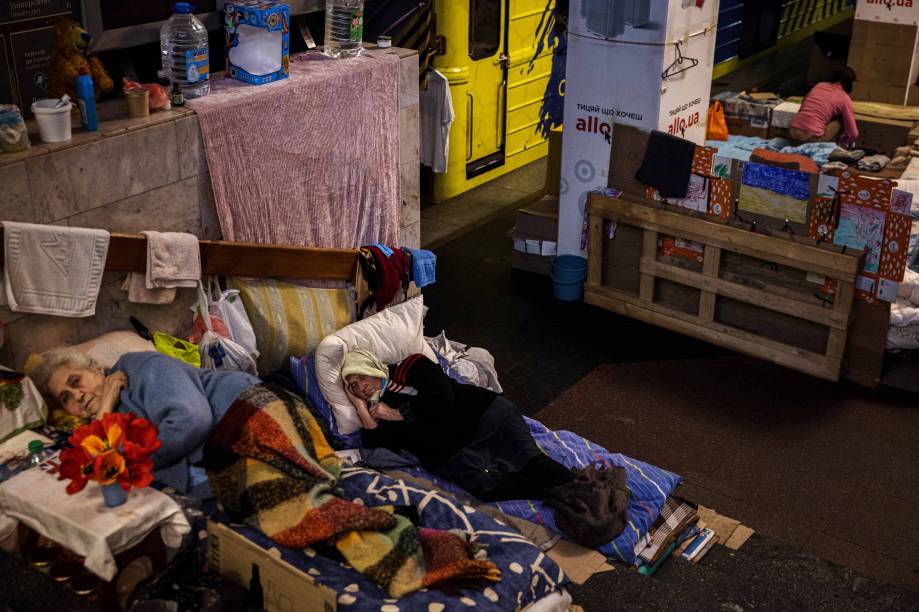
point(114, 495)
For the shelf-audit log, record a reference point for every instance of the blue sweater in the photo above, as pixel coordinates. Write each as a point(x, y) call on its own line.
point(183, 402)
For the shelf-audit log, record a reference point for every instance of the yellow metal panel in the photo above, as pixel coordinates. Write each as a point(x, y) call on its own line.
point(490, 112)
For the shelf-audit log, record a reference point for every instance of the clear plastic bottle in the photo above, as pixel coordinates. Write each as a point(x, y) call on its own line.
point(344, 28)
point(36, 454)
point(184, 51)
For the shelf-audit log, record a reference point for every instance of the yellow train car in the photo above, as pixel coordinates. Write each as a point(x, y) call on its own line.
point(505, 62)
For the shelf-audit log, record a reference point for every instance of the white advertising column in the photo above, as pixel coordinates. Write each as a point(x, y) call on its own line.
point(619, 52)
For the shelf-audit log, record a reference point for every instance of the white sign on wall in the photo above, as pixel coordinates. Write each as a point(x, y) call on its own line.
point(888, 11)
point(617, 52)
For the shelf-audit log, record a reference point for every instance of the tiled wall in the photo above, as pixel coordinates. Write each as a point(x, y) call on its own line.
point(148, 174)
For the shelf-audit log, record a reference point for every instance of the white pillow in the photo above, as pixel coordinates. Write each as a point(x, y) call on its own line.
point(392, 335)
point(108, 348)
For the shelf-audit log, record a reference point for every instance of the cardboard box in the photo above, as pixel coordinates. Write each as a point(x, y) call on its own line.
point(267, 16)
point(285, 587)
point(615, 67)
point(554, 162)
point(829, 53)
point(881, 54)
point(742, 127)
point(539, 219)
point(883, 135)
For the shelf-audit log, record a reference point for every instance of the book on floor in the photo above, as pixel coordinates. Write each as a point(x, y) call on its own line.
point(700, 545)
point(676, 515)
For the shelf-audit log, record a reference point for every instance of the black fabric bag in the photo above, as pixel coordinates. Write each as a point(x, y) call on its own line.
point(667, 164)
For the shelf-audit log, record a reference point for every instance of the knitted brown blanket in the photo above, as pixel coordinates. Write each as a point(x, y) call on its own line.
point(591, 509)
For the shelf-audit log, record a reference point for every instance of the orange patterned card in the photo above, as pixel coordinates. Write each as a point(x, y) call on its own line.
point(703, 159)
point(719, 199)
point(863, 191)
point(896, 244)
point(820, 225)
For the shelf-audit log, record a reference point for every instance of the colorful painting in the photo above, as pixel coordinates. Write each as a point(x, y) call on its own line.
point(827, 185)
point(721, 167)
point(696, 194)
point(901, 201)
point(791, 183)
point(862, 228)
point(772, 204)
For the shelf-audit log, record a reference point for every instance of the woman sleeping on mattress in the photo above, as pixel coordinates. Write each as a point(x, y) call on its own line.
point(469, 435)
point(183, 402)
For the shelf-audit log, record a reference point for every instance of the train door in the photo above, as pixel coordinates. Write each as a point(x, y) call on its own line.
point(487, 94)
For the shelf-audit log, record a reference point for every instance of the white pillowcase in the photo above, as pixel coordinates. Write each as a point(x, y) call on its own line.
point(108, 348)
point(392, 335)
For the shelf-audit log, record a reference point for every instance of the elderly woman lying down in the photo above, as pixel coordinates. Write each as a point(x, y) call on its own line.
point(185, 403)
point(469, 435)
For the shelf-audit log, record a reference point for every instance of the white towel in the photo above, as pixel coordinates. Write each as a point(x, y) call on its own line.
point(173, 260)
point(53, 270)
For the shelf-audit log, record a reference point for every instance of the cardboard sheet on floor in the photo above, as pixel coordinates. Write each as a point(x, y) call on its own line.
point(578, 563)
point(730, 531)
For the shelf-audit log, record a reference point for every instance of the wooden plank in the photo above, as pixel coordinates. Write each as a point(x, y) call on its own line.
point(634, 211)
point(595, 252)
point(128, 253)
point(710, 266)
point(798, 359)
point(648, 254)
point(802, 310)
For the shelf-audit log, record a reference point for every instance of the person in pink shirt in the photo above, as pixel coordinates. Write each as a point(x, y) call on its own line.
point(826, 111)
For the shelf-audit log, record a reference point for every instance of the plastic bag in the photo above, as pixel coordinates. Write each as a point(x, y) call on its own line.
point(178, 348)
point(717, 124)
point(228, 317)
point(218, 352)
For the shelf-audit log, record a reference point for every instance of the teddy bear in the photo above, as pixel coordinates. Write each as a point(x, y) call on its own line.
point(69, 60)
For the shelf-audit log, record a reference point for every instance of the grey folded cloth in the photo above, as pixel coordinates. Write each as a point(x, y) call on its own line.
point(591, 509)
point(847, 156)
point(834, 165)
point(873, 163)
point(900, 161)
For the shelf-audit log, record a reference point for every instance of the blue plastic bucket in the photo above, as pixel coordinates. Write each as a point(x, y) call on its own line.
point(568, 274)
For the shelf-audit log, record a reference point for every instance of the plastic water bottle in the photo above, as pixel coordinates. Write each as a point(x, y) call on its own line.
point(36, 449)
point(344, 28)
point(183, 46)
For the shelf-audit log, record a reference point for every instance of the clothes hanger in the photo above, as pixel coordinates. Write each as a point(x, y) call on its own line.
point(676, 67)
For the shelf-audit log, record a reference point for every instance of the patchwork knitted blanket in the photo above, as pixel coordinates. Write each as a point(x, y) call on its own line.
point(267, 460)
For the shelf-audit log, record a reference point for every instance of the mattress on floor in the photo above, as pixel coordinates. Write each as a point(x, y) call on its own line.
point(527, 574)
point(649, 487)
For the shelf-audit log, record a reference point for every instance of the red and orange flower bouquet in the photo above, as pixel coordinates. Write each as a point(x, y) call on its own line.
point(115, 449)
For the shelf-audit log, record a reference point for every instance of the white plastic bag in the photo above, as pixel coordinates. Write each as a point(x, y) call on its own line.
point(219, 353)
point(228, 306)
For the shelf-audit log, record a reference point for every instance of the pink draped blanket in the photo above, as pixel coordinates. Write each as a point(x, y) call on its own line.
point(310, 161)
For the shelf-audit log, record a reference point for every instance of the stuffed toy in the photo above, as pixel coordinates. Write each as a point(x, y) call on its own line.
point(70, 60)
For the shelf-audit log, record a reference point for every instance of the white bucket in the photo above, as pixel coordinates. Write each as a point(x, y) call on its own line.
point(53, 123)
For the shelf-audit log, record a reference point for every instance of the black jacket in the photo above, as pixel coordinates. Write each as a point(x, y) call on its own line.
point(440, 414)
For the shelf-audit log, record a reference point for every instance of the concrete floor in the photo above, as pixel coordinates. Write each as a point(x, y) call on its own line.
point(544, 348)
